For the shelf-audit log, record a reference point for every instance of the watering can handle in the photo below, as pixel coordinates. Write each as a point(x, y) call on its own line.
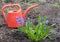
point(9, 5)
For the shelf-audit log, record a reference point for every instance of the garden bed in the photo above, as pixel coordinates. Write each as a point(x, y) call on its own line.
point(44, 9)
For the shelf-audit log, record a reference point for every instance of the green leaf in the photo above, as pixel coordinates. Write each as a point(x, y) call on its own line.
point(36, 32)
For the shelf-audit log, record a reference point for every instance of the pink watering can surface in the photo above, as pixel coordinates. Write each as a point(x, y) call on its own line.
point(12, 20)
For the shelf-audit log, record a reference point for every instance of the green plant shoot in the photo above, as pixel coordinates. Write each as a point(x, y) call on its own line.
point(40, 32)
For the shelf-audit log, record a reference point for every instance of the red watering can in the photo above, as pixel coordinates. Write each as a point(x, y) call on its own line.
point(11, 19)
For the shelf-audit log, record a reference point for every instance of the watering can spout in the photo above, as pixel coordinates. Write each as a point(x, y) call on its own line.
point(28, 9)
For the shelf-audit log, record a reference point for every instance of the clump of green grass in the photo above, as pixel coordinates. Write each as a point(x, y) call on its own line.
point(30, 2)
point(36, 32)
point(56, 5)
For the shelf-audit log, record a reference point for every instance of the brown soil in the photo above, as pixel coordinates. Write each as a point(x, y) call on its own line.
point(44, 9)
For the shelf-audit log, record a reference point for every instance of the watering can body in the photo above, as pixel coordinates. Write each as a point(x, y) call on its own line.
point(11, 18)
